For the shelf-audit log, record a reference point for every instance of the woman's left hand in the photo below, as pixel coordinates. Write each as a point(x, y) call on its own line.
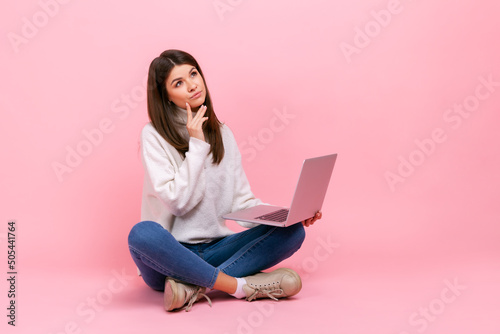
point(310, 221)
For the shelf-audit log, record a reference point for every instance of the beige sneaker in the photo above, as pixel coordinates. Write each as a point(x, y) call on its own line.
point(279, 283)
point(180, 295)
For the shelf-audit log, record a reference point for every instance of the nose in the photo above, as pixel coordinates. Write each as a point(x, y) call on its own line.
point(192, 85)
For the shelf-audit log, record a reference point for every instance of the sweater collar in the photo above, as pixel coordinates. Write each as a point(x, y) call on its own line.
point(180, 115)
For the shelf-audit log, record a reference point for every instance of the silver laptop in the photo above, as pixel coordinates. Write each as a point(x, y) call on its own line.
point(307, 200)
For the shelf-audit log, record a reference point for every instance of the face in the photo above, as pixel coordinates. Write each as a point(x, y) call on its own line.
point(185, 84)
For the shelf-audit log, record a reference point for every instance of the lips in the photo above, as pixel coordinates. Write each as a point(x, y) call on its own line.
point(196, 95)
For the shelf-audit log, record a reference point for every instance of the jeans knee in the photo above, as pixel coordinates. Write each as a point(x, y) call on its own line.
point(139, 231)
point(294, 235)
point(298, 234)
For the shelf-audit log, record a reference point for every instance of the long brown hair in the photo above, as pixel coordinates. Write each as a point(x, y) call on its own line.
point(161, 112)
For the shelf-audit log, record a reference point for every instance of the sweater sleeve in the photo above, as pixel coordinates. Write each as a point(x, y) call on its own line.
point(180, 190)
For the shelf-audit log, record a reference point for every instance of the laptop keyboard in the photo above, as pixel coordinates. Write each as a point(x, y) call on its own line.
point(276, 216)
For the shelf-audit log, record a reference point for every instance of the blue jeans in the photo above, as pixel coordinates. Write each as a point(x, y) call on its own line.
point(157, 254)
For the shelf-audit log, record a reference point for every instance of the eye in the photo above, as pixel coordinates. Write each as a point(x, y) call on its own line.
point(194, 73)
point(178, 83)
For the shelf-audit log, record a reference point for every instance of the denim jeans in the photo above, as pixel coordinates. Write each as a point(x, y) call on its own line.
point(157, 254)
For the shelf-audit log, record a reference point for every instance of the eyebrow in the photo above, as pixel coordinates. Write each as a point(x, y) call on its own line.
point(190, 71)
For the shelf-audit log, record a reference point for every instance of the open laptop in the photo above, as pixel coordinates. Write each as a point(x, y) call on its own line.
point(307, 200)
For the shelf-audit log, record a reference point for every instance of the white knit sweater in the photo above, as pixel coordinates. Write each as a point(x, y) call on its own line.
point(188, 196)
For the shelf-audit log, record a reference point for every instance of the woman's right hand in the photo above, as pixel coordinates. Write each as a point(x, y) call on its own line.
point(195, 124)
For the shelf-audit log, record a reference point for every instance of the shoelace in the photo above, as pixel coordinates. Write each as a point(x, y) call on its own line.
point(270, 291)
point(194, 298)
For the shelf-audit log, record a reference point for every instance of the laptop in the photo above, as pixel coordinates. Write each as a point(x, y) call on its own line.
point(308, 198)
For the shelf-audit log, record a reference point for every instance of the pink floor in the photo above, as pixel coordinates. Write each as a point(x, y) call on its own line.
point(362, 295)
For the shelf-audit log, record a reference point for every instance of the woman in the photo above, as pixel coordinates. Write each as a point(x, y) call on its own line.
point(193, 175)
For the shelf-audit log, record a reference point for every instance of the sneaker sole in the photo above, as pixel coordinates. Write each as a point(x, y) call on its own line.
point(169, 297)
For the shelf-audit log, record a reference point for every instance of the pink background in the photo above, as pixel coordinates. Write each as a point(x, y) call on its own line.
point(367, 80)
